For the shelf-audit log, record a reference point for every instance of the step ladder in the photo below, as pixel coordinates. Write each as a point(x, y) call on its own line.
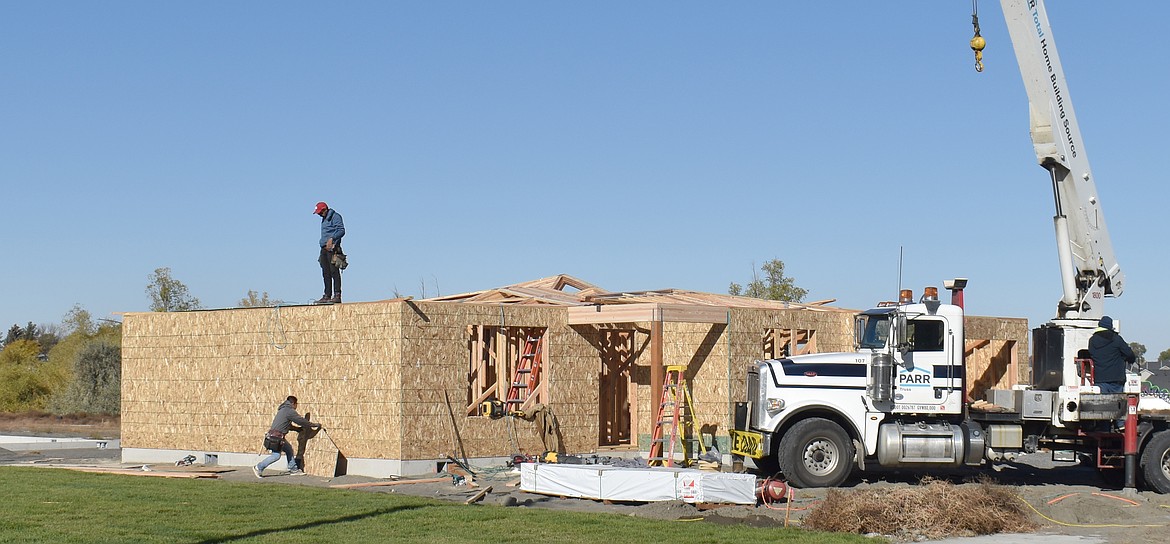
point(676, 422)
point(527, 375)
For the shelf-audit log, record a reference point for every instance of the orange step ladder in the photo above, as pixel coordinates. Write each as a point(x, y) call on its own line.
point(676, 415)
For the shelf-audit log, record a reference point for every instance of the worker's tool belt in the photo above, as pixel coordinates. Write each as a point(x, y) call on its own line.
point(272, 440)
point(339, 260)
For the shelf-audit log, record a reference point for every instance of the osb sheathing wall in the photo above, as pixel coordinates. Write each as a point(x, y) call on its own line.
point(717, 355)
point(997, 354)
point(389, 379)
point(212, 380)
point(435, 368)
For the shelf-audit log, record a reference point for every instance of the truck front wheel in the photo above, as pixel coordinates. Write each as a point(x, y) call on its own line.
point(1156, 462)
point(816, 452)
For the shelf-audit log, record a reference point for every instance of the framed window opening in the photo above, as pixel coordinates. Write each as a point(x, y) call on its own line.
point(779, 343)
point(506, 364)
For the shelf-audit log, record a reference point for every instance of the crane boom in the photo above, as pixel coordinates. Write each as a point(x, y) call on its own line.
point(1088, 268)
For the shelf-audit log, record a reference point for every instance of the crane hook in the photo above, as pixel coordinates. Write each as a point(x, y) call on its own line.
point(977, 42)
point(977, 45)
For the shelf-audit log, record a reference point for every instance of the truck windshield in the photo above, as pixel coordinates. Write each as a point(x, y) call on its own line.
point(875, 329)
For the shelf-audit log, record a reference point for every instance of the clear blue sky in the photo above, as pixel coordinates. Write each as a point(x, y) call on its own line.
point(636, 145)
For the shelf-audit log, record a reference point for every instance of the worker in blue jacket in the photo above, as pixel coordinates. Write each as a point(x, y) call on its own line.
point(1110, 356)
point(332, 230)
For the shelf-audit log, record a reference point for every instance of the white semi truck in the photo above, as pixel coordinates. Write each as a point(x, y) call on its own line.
point(899, 400)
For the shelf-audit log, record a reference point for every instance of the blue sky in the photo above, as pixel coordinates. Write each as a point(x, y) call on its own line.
point(636, 145)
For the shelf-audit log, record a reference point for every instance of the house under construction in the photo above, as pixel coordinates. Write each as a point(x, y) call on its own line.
point(400, 385)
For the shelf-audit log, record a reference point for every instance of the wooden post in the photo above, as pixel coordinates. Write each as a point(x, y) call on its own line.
point(502, 378)
point(657, 371)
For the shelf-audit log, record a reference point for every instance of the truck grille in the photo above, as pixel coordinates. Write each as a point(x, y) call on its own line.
point(754, 395)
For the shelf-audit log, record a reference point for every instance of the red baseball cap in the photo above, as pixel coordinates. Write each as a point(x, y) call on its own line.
point(321, 206)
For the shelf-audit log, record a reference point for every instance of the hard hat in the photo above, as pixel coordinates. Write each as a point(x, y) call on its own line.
point(321, 206)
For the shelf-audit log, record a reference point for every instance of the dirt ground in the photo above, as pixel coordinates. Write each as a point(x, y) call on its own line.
point(1070, 502)
point(77, 425)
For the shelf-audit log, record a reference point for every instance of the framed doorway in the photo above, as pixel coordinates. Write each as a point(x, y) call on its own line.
point(617, 390)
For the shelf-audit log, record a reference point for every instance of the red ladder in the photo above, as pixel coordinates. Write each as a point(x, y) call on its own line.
point(527, 375)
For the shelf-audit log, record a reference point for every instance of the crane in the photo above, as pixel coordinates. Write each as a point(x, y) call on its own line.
point(1089, 272)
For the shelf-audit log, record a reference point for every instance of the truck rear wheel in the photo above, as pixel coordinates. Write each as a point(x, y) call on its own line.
point(816, 452)
point(1155, 462)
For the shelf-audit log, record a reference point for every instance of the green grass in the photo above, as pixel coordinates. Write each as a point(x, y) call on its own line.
point(53, 505)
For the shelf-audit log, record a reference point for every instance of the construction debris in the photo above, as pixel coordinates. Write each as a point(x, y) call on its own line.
point(392, 482)
point(145, 471)
point(479, 496)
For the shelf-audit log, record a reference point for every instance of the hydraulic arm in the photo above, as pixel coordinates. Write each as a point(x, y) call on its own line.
point(1089, 272)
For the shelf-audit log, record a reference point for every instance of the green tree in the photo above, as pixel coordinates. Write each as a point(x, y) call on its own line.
point(1139, 350)
point(25, 382)
point(1164, 357)
point(22, 389)
point(97, 380)
point(19, 352)
point(773, 286)
point(78, 384)
point(168, 294)
point(78, 319)
point(16, 332)
point(258, 301)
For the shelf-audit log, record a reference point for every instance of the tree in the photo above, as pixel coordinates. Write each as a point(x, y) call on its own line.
point(1139, 351)
point(78, 386)
point(19, 352)
point(1164, 357)
point(78, 319)
point(774, 286)
point(25, 383)
point(31, 332)
point(97, 380)
point(14, 333)
point(22, 389)
point(258, 301)
point(168, 294)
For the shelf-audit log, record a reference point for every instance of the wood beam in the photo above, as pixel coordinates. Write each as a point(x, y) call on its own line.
point(646, 311)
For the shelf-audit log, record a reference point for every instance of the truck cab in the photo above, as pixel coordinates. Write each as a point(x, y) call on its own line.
point(904, 379)
point(899, 400)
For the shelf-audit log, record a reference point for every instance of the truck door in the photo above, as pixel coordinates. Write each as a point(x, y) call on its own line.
point(927, 381)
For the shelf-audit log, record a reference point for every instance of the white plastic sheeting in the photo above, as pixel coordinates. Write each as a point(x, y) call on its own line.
point(606, 482)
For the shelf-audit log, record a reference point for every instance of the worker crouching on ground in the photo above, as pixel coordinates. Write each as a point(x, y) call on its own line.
point(274, 441)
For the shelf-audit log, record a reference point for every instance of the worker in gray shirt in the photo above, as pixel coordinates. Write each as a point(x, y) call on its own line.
point(274, 441)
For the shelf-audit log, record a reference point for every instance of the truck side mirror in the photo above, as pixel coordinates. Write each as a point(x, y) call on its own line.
point(901, 333)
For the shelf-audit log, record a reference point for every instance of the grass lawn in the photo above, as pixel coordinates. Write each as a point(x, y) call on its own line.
point(54, 505)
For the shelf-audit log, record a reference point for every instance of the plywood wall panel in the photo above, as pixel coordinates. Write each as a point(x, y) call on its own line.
point(213, 379)
point(381, 375)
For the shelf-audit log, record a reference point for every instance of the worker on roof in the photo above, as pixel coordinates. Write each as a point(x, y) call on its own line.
point(332, 259)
